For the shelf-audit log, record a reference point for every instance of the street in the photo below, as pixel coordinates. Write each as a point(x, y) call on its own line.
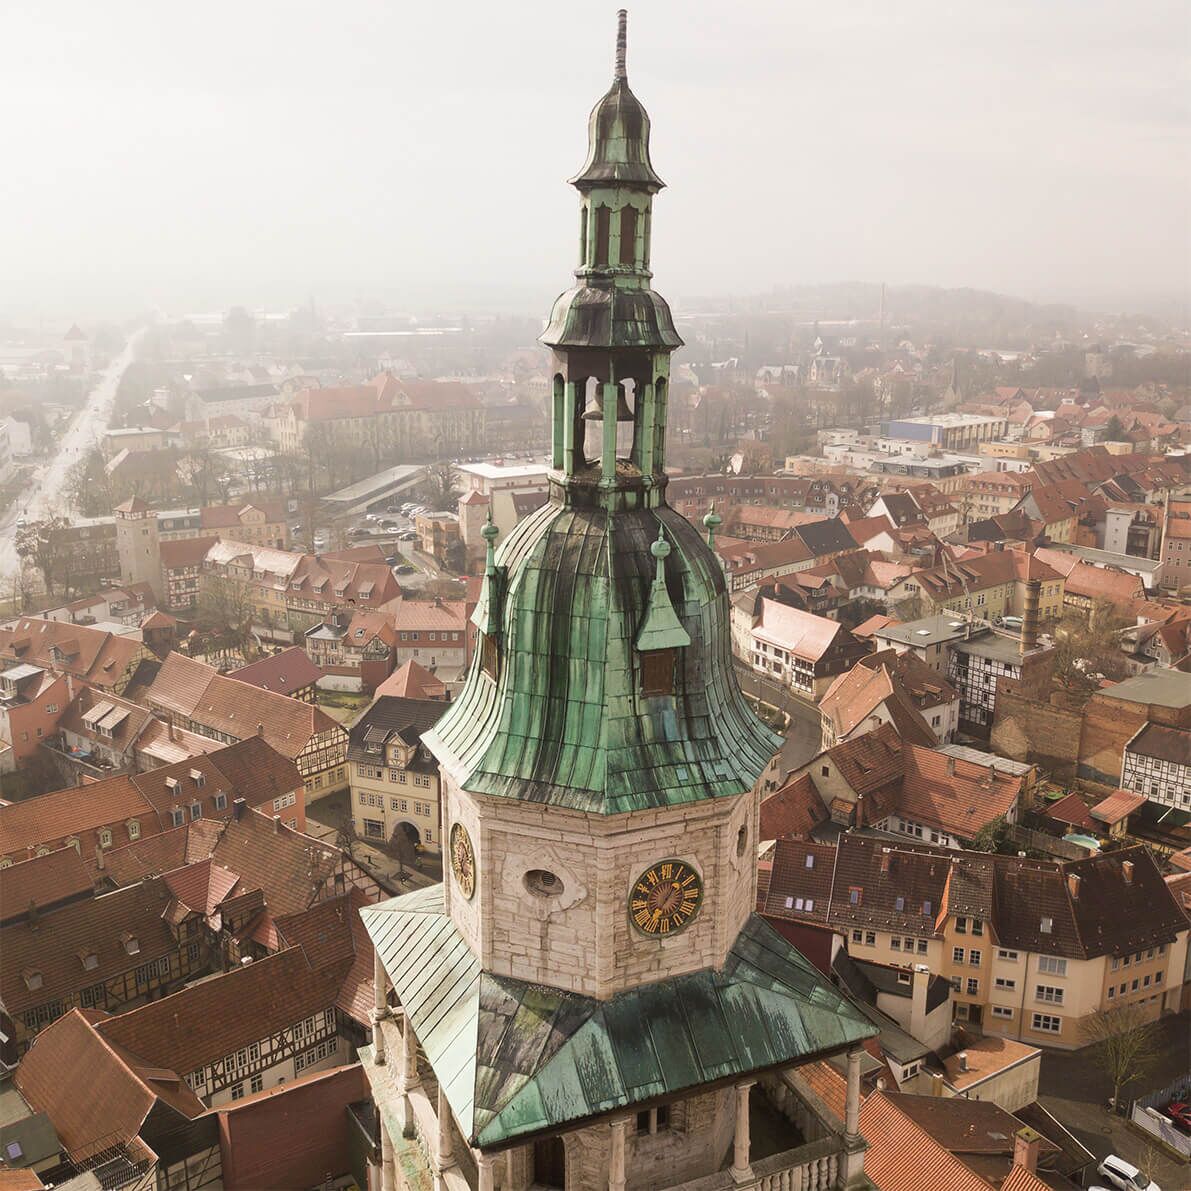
point(45, 494)
point(803, 735)
point(1075, 1090)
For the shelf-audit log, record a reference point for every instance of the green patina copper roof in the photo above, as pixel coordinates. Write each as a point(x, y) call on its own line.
point(565, 722)
point(515, 1059)
point(661, 628)
point(618, 134)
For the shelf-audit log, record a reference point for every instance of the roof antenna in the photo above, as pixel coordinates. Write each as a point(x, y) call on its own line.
point(622, 20)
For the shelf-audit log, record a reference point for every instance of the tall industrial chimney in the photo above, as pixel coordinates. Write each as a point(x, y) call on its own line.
point(1029, 619)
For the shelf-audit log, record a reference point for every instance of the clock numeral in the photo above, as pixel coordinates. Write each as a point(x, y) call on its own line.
point(667, 871)
point(688, 907)
point(639, 903)
point(642, 888)
point(652, 877)
point(665, 925)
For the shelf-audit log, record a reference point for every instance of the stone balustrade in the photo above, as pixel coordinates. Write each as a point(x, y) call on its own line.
point(811, 1167)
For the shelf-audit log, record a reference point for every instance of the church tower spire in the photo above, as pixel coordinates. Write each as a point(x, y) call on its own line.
point(592, 953)
point(611, 335)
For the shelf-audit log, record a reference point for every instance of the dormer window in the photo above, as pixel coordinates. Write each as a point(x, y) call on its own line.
point(132, 945)
point(89, 959)
point(489, 656)
point(657, 672)
point(198, 777)
point(105, 837)
point(32, 978)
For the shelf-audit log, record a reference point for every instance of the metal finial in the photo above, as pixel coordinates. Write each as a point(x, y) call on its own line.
point(622, 20)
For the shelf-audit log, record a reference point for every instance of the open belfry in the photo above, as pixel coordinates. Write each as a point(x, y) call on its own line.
point(588, 1000)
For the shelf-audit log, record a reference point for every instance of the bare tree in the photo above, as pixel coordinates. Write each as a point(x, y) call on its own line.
point(43, 544)
point(1125, 1045)
point(438, 487)
point(1088, 648)
point(225, 608)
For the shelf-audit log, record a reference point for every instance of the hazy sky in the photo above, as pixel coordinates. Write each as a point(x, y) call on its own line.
point(198, 155)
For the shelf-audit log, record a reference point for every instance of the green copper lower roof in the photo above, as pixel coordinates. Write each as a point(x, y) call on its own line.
point(514, 1059)
point(566, 721)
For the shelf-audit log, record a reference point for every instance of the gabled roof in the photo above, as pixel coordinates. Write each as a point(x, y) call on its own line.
point(1071, 811)
point(802, 633)
point(100, 657)
point(56, 944)
point(537, 1058)
point(794, 809)
point(283, 672)
point(109, 1108)
point(206, 1021)
point(48, 881)
point(1119, 805)
point(413, 681)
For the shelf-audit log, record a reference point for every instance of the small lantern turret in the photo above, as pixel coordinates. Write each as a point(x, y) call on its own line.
point(612, 335)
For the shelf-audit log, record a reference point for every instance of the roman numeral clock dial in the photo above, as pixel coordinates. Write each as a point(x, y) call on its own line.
point(665, 897)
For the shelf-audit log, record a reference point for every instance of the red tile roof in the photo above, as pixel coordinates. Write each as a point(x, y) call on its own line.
point(206, 1021)
point(48, 880)
point(794, 809)
point(258, 1131)
point(803, 634)
point(55, 944)
point(412, 681)
point(284, 672)
point(185, 552)
point(104, 659)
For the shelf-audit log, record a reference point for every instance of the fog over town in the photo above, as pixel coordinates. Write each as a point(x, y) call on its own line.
point(595, 600)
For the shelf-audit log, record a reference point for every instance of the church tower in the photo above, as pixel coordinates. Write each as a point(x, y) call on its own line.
point(590, 986)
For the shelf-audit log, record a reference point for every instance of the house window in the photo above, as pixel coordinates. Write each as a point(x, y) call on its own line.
point(870, 938)
point(961, 926)
point(895, 943)
point(221, 802)
point(177, 817)
point(957, 955)
point(105, 837)
point(1052, 965)
point(196, 811)
point(922, 946)
point(857, 936)
point(1004, 984)
point(973, 986)
point(1010, 956)
point(1047, 1023)
point(974, 958)
point(1049, 994)
point(854, 894)
point(977, 926)
point(1001, 1011)
point(238, 1091)
point(257, 1082)
point(374, 829)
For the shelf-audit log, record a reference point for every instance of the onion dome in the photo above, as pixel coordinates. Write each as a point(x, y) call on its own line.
point(618, 134)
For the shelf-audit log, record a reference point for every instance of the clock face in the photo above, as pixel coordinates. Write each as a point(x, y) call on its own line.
point(665, 897)
point(463, 860)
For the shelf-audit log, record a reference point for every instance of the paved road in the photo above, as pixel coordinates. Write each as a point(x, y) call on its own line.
point(45, 496)
point(803, 735)
point(1074, 1090)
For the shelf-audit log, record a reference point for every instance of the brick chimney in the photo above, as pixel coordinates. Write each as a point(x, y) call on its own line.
point(238, 805)
point(1073, 885)
point(1026, 1144)
point(1127, 871)
point(1029, 619)
point(276, 824)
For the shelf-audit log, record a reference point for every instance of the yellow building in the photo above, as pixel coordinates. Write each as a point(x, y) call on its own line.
point(394, 780)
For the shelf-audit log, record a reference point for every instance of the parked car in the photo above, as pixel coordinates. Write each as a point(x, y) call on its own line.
point(371, 516)
point(1179, 1111)
point(408, 535)
point(1009, 622)
point(1124, 1175)
point(406, 569)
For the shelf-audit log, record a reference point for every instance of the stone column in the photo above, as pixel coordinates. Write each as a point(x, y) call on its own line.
point(445, 1152)
point(388, 1176)
point(852, 1104)
point(618, 1130)
point(854, 1144)
point(740, 1155)
point(407, 1075)
point(484, 1164)
point(380, 1008)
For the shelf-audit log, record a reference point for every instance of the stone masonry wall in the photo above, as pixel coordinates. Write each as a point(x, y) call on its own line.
point(582, 938)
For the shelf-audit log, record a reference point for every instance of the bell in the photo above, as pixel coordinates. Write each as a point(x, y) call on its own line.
point(596, 413)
